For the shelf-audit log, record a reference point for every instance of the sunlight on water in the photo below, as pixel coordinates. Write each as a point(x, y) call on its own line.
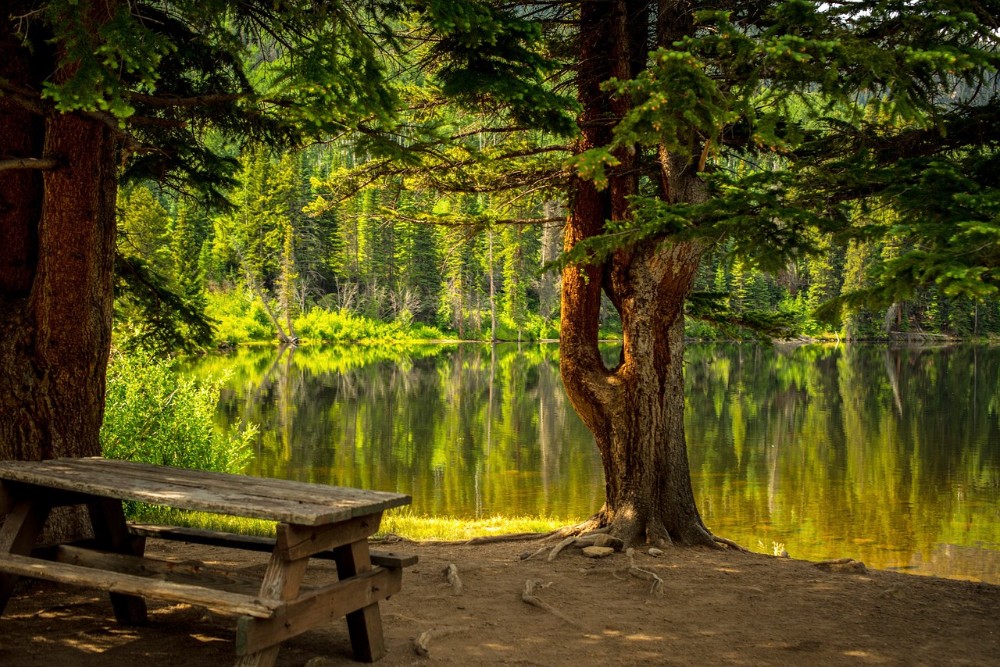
point(891, 457)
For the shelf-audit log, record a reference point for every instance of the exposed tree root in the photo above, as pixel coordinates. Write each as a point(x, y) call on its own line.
point(594, 524)
point(590, 540)
point(451, 572)
point(655, 534)
point(634, 570)
point(529, 597)
point(421, 643)
point(513, 537)
point(730, 544)
point(539, 552)
point(491, 539)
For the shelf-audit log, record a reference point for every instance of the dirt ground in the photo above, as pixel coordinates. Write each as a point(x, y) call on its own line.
point(716, 607)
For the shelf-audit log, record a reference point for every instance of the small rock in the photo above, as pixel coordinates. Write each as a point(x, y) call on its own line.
point(654, 552)
point(597, 552)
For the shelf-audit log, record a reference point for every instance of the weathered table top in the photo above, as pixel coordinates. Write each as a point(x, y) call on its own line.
point(259, 498)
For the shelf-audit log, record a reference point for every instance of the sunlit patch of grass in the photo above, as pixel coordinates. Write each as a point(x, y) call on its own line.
point(398, 522)
point(421, 527)
point(203, 520)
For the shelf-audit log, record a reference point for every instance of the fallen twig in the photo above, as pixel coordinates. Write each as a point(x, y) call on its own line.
point(528, 596)
point(421, 643)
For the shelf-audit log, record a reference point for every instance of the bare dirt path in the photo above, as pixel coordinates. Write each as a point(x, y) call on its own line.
point(716, 608)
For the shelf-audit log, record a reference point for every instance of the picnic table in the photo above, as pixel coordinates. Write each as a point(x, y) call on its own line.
point(313, 520)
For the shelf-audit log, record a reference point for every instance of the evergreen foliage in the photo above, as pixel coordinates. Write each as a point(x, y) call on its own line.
point(451, 114)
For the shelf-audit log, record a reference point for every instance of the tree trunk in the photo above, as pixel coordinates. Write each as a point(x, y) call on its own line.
point(56, 279)
point(56, 271)
point(635, 410)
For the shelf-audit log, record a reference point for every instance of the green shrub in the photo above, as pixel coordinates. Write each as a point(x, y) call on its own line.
point(238, 318)
point(154, 415)
point(340, 326)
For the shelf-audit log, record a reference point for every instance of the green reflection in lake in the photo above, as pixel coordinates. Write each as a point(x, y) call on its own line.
point(888, 456)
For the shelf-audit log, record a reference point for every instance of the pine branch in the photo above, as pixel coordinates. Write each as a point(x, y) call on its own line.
point(168, 101)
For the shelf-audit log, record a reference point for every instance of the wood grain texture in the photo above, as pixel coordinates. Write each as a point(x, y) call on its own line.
point(317, 607)
point(20, 529)
point(192, 572)
point(363, 625)
point(253, 543)
point(236, 495)
point(281, 582)
point(111, 534)
point(130, 584)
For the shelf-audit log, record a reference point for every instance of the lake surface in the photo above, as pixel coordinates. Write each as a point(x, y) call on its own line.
point(889, 456)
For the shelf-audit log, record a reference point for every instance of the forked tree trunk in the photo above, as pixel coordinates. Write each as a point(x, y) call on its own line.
point(635, 410)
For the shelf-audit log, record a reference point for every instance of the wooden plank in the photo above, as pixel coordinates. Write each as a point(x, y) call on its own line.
point(21, 528)
point(281, 582)
point(320, 606)
point(7, 497)
point(111, 534)
point(253, 543)
point(364, 626)
point(44, 495)
point(190, 572)
point(294, 542)
point(130, 584)
point(304, 492)
point(276, 500)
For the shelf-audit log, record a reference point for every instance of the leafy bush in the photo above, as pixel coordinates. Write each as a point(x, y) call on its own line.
point(535, 327)
point(239, 318)
point(154, 415)
point(337, 326)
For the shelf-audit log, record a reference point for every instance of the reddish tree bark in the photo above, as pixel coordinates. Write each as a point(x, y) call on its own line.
point(635, 410)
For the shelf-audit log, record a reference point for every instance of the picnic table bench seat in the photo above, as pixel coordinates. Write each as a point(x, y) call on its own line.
point(312, 521)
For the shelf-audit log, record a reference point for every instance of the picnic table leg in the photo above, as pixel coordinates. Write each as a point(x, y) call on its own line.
point(281, 582)
point(364, 625)
point(18, 534)
point(111, 534)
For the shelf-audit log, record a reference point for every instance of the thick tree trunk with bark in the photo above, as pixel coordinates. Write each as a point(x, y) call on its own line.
point(635, 410)
point(58, 231)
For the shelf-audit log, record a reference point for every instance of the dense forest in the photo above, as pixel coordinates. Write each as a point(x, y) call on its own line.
point(308, 249)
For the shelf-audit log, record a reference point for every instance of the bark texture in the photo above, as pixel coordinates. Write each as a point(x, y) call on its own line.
point(635, 410)
point(56, 272)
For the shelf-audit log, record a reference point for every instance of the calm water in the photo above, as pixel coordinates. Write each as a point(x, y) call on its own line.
point(890, 456)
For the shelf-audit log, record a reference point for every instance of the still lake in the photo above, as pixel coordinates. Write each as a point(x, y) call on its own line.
point(886, 455)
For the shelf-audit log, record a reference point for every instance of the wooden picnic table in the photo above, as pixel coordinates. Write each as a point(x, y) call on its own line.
point(313, 520)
